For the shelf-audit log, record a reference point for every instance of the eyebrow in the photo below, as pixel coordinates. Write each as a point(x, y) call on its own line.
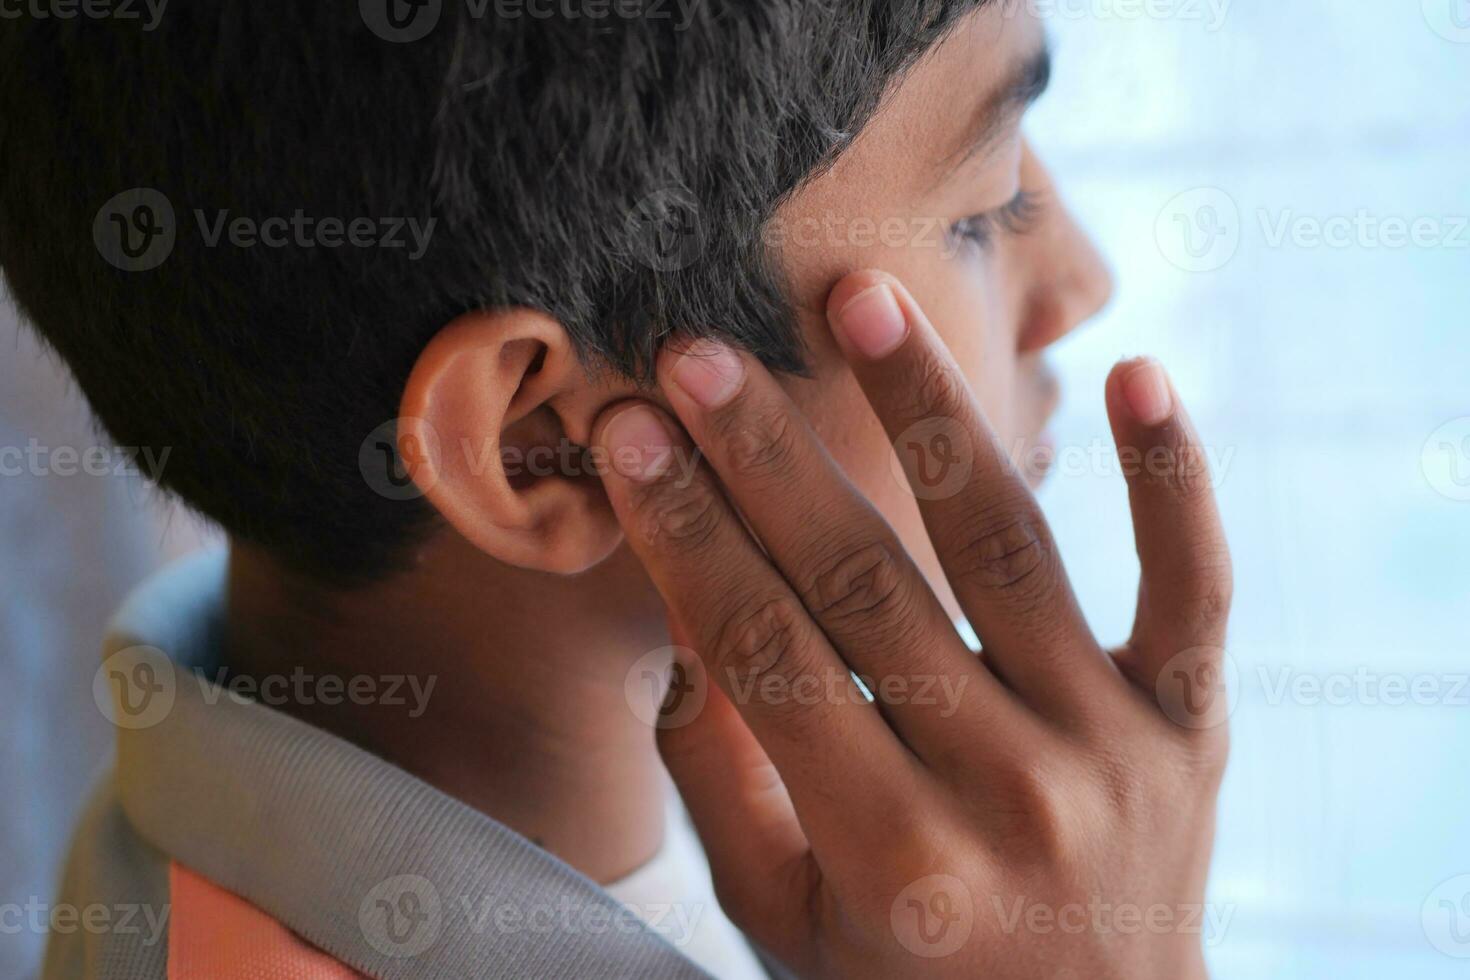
point(1026, 84)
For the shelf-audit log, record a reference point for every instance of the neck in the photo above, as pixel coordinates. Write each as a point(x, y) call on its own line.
point(504, 688)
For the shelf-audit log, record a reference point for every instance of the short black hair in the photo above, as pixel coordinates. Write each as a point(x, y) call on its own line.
point(550, 151)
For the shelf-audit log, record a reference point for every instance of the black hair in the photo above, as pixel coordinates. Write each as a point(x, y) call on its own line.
point(611, 170)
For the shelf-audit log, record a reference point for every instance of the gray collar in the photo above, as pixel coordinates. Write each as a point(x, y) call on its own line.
point(361, 859)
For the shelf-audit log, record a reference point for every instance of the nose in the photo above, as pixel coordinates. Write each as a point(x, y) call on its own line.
point(1070, 281)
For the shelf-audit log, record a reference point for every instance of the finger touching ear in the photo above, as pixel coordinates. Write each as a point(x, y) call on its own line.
point(490, 418)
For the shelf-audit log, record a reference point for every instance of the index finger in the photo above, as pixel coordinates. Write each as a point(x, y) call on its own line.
point(833, 750)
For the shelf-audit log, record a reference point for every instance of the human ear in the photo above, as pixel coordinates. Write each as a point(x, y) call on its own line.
point(498, 409)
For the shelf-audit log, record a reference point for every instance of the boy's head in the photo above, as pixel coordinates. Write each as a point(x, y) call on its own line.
point(493, 226)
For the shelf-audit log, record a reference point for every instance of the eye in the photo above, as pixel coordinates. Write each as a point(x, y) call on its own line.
point(1017, 217)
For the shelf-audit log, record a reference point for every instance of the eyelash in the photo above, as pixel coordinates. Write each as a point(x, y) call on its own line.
point(1017, 217)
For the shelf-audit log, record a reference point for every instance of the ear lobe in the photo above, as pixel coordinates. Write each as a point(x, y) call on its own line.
point(483, 418)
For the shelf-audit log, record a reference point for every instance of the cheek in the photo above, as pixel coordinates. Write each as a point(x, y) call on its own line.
point(967, 300)
point(859, 445)
point(968, 303)
point(970, 312)
point(835, 406)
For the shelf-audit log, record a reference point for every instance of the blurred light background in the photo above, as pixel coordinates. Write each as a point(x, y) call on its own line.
point(71, 547)
point(1283, 190)
point(1255, 171)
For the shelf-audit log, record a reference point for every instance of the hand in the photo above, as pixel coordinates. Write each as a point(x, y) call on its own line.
point(1054, 814)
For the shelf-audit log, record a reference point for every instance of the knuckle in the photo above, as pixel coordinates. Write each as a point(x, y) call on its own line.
point(936, 392)
point(760, 639)
point(855, 588)
point(1214, 602)
point(759, 442)
point(921, 847)
point(677, 519)
point(1126, 787)
point(1208, 589)
point(1011, 558)
point(1181, 469)
point(1036, 814)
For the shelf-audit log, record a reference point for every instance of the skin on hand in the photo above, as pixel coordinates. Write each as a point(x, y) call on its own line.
point(894, 837)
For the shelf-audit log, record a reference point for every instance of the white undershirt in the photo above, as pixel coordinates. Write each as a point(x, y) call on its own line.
point(673, 894)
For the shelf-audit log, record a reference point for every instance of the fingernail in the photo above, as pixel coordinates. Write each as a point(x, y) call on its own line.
point(709, 372)
point(873, 323)
point(638, 444)
point(1146, 389)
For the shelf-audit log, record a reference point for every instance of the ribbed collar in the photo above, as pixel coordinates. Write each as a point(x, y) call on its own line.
point(373, 866)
